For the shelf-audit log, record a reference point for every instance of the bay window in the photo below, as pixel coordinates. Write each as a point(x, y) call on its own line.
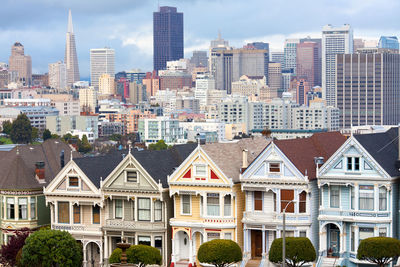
point(144, 209)
point(185, 202)
point(365, 232)
point(213, 235)
point(352, 197)
point(11, 208)
point(382, 198)
point(366, 198)
point(286, 197)
point(22, 208)
point(77, 213)
point(213, 204)
point(227, 206)
point(63, 212)
point(302, 202)
point(33, 207)
point(334, 196)
point(158, 210)
point(118, 209)
point(258, 200)
point(96, 214)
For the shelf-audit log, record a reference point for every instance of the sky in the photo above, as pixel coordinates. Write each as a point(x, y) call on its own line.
point(127, 25)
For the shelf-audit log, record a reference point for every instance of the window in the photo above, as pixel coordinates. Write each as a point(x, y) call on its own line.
point(96, 214)
point(73, 182)
point(227, 206)
point(383, 232)
point(356, 164)
point(144, 209)
point(186, 204)
point(352, 239)
point(131, 176)
point(274, 196)
point(33, 207)
point(286, 197)
point(353, 163)
point(335, 196)
point(10, 208)
point(213, 204)
point(118, 209)
point(157, 210)
point(63, 212)
point(303, 234)
point(77, 213)
point(382, 198)
point(366, 233)
point(158, 243)
point(201, 170)
point(353, 197)
point(212, 236)
point(302, 202)
point(258, 200)
point(133, 210)
point(366, 199)
point(144, 240)
point(228, 236)
point(274, 167)
point(22, 208)
point(349, 164)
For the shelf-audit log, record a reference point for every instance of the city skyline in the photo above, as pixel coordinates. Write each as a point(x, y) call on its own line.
point(100, 25)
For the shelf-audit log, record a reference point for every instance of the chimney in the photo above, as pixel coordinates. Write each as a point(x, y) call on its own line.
point(244, 162)
point(62, 161)
point(39, 171)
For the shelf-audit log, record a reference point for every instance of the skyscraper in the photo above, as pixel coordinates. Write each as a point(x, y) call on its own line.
point(21, 64)
point(390, 42)
point(367, 87)
point(102, 61)
point(335, 40)
point(57, 75)
point(167, 36)
point(308, 64)
point(289, 54)
point(71, 59)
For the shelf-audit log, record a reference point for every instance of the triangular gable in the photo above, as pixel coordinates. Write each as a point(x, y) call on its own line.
point(60, 182)
point(260, 168)
point(336, 165)
point(213, 174)
point(117, 177)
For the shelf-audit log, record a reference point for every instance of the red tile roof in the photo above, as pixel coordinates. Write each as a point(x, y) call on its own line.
point(301, 152)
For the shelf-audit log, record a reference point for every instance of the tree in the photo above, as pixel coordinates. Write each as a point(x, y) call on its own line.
point(9, 251)
point(116, 137)
point(35, 133)
point(299, 250)
point(141, 255)
point(84, 145)
point(160, 145)
point(219, 252)
point(7, 125)
point(47, 248)
point(379, 250)
point(46, 134)
point(21, 130)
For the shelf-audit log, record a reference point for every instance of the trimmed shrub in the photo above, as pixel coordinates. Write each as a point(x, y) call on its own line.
point(299, 250)
point(219, 252)
point(379, 250)
point(138, 254)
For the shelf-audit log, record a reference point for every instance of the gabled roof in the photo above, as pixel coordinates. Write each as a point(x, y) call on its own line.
point(229, 156)
point(17, 166)
point(301, 151)
point(159, 164)
point(383, 147)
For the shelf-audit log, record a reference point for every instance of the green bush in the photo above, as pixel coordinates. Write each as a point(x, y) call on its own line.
point(299, 250)
point(219, 252)
point(138, 254)
point(47, 248)
point(379, 250)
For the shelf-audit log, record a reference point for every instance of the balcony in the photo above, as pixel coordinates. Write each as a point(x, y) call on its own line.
point(273, 217)
point(72, 227)
point(355, 214)
point(133, 225)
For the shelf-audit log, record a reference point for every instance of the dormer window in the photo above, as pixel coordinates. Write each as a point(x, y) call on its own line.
point(201, 170)
point(73, 182)
point(131, 176)
point(353, 163)
point(274, 167)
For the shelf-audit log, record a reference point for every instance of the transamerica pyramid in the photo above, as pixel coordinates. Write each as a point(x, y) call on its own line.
point(71, 59)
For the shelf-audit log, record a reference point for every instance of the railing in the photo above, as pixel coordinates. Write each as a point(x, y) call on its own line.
point(125, 224)
point(363, 213)
point(70, 227)
point(218, 220)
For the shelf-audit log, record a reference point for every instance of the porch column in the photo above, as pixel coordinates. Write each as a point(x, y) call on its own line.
point(151, 210)
point(84, 255)
point(263, 243)
point(101, 253)
point(245, 233)
point(356, 236)
point(55, 212)
point(191, 251)
point(173, 250)
point(105, 245)
point(356, 196)
point(51, 213)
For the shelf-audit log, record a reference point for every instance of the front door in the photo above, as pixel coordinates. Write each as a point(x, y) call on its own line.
point(334, 241)
point(256, 244)
point(93, 253)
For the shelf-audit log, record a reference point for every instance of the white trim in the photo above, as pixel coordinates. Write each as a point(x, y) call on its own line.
point(329, 197)
point(114, 208)
point(131, 170)
point(190, 204)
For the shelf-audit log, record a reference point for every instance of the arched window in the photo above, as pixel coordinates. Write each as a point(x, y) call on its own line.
point(302, 202)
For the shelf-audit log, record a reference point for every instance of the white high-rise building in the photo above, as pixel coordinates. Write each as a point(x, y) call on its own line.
point(106, 85)
point(335, 40)
point(58, 75)
point(88, 99)
point(71, 59)
point(289, 54)
point(102, 61)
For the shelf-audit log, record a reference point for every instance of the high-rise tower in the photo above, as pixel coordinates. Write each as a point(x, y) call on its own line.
point(21, 64)
point(71, 59)
point(167, 36)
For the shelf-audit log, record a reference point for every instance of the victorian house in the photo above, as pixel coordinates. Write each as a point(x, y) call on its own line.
point(208, 201)
point(24, 171)
point(359, 196)
point(283, 178)
point(122, 195)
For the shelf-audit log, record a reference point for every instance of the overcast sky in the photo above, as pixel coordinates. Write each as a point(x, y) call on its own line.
point(126, 25)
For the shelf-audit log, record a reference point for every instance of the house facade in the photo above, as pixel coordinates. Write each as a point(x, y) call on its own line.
point(282, 178)
point(208, 201)
point(358, 193)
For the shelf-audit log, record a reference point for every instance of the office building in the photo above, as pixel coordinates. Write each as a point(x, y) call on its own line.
point(102, 61)
point(275, 78)
point(175, 80)
point(71, 58)
point(21, 64)
point(249, 85)
point(137, 93)
point(152, 83)
point(368, 87)
point(88, 99)
point(160, 128)
point(390, 42)
point(308, 62)
point(303, 87)
point(58, 75)
point(167, 36)
point(289, 54)
point(216, 45)
point(276, 57)
point(135, 75)
point(199, 59)
point(63, 124)
point(106, 85)
point(335, 40)
point(358, 43)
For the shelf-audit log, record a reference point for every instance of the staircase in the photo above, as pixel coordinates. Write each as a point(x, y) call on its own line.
point(329, 262)
point(253, 263)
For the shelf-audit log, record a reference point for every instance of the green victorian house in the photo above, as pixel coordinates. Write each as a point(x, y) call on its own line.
point(24, 171)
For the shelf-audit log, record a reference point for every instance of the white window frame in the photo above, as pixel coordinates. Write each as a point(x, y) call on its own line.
point(195, 170)
point(190, 205)
point(126, 176)
point(114, 206)
point(379, 198)
point(74, 187)
point(219, 205)
point(279, 164)
point(329, 203)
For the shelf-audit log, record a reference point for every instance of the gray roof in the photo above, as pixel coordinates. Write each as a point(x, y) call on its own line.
point(159, 164)
point(383, 147)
